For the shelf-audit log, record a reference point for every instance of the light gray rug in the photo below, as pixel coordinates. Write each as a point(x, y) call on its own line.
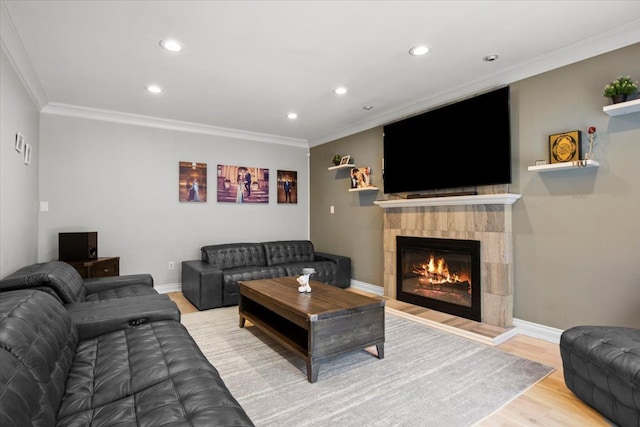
point(427, 378)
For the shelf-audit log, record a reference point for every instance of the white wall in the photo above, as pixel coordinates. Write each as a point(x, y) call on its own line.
point(18, 182)
point(122, 181)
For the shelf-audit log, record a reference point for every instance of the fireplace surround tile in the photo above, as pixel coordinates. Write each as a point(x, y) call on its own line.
point(490, 224)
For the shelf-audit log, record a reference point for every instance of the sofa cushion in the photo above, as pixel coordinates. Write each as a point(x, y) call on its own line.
point(288, 251)
point(234, 255)
point(38, 339)
point(149, 368)
point(58, 276)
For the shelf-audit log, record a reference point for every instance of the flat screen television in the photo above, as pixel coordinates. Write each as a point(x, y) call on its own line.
point(463, 144)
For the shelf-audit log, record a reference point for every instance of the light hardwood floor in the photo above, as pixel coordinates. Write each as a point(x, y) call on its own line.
point(548, 403)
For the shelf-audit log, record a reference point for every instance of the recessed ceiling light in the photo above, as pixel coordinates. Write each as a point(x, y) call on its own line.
point(490, 58)
point(154, 89)
point(171, 45)
point(292, 116)
point(340, 90)
point(418, 50)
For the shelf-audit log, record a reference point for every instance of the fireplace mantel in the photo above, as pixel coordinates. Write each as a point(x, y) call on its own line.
point(479, 199)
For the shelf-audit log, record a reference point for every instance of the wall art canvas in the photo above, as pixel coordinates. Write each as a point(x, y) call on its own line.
point(361, 177)
point(287, 186)
point(27, 154)
point(565, 147)
point(19, 142)
point(243, 184)
point(192, 182)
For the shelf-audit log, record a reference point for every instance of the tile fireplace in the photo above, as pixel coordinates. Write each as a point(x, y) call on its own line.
point(485, 218)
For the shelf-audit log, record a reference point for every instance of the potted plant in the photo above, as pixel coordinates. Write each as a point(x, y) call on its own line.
point(336, 159)
point(619, 89)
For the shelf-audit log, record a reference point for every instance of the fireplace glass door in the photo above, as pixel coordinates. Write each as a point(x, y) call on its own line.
point(441, 274)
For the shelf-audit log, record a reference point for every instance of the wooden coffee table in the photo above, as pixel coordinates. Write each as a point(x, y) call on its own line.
point(318, 325)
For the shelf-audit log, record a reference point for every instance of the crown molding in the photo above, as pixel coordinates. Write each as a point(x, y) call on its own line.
point(60, 109)
point(12, 46)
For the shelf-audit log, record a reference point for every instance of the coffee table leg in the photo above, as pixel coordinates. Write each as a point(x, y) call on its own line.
point(312, 371)
point(380, 348)
point(242, 320)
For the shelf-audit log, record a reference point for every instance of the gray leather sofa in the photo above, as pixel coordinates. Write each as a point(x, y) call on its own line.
point(124, 370)
point(213, 280)
point(601, 366)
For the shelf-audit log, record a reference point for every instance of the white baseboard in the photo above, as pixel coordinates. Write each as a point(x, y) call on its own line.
point(367, 287)
point(535, 330)
point(523, 327)
point(168, 287)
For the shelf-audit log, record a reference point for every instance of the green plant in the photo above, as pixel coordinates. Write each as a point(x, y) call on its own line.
point(620, 86)
point(336, 159)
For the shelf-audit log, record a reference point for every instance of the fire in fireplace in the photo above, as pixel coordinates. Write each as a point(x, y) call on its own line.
point(441, 274)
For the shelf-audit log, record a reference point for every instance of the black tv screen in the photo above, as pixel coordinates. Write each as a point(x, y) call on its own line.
point(464, 144)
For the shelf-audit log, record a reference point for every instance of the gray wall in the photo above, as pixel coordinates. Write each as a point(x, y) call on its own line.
point(576, 233)
point(122, 181)
point(18, 182)
point(354, 229)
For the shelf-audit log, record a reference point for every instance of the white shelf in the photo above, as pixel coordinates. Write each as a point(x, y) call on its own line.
point(621, 108)
point(364, 189)
point(580, 164)
point(348, 165)
point(479, 199)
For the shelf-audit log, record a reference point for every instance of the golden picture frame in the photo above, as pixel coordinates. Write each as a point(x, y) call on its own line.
point(565, 147)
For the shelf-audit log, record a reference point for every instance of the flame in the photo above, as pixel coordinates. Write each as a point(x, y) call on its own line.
point(436, 272)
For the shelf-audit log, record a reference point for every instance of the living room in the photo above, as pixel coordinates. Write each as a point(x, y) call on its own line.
point(574, 234)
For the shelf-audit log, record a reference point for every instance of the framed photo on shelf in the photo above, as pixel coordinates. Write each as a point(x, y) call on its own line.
point(19, 142)
point(565, 147)
point(345, 160)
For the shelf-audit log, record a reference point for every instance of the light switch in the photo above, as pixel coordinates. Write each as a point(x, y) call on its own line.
point(44, 206)
point(332, 210)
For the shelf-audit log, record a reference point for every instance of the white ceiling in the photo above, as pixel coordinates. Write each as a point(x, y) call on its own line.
point(246, 64)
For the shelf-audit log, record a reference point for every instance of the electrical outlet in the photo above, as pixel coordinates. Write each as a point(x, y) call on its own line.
point(171, 265)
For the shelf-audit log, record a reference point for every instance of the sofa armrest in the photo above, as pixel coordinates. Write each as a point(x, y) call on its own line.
point(97, 318)
point(202, 284)
point(343, 278)
point(100, 284)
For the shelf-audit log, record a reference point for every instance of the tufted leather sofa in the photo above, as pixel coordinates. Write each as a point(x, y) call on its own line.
point(63, 282)
point(602, 367)
point(213, 280)
point(142, 374)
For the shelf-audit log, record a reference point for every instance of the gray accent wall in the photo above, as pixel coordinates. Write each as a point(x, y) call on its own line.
point(576, 232)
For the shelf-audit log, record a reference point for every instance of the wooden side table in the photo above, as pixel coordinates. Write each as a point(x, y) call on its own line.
point(101, 267)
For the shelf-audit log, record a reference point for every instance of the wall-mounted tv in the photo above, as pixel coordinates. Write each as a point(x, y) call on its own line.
point(463, 144)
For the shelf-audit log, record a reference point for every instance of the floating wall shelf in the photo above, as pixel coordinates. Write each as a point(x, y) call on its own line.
point(364, 189)
point(348, 165)
point(580, 164)
point(621, 108)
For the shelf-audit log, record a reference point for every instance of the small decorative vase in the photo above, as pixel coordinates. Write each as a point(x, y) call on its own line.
point(621, 97)
point(588, 156)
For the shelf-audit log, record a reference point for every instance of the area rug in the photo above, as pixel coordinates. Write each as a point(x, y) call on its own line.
point(427, 377)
